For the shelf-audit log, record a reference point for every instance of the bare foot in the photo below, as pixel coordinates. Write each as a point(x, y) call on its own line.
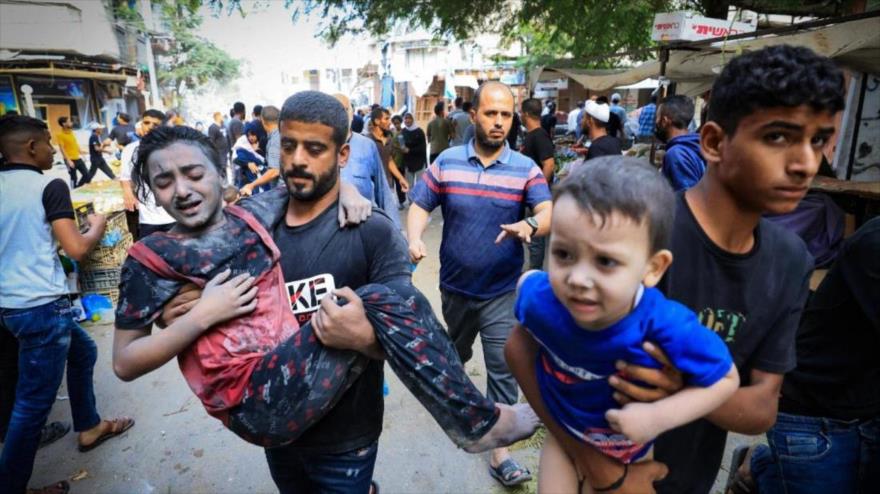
point(516, 422)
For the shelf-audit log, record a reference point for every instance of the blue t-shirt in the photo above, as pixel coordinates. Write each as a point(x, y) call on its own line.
point(476, 200)
point(574, 364)
point(683, 165)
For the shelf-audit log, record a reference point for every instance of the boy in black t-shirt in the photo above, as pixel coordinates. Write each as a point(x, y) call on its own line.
point(771, 114)
point(538, 146)
point(96, 153)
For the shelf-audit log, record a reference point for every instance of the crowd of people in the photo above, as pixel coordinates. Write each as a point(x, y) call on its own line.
point(660, 311)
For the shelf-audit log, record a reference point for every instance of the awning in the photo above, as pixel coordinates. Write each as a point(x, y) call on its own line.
point(74, 73)
point(853, 44)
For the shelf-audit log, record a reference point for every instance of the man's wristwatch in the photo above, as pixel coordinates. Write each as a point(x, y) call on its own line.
point(532, 222)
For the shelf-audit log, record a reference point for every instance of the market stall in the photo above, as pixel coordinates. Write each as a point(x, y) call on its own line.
point(99, 273)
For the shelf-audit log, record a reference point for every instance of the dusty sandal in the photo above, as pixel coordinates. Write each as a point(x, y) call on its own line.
point(117, 427)
point(510, 473)
point(737, 483)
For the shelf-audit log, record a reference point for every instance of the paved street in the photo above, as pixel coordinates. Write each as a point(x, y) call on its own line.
point(177, 448)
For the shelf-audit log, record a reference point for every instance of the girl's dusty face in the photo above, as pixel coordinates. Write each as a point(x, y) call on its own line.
point(187, 185)
point(252, 138)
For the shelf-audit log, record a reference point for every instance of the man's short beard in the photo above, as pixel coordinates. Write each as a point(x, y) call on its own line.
point(484, 141)
point(322, 185)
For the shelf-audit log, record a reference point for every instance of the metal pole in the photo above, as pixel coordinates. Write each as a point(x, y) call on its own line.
point(664, 57)
point(147, 13)
point(856, 121)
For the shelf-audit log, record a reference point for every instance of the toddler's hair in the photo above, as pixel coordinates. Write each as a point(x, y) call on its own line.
point(628, 186)
point(230, 194)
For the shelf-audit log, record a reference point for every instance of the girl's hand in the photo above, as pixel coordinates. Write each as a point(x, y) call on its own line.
point(223, 300)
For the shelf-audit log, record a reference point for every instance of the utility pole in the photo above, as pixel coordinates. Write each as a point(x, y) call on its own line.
point(147, 14)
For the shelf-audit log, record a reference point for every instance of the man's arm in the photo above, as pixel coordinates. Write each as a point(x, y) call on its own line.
point(75, 244)
point(392, 167)
point(416, 222)
point(523, 231)
point(270, 175)
point(752, 409)
point(128, 197)
point(642, 422)
point(548, 166)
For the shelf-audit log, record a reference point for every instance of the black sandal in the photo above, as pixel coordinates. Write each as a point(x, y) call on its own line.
point(505, 473)
point(53, 432)
point(736, 483)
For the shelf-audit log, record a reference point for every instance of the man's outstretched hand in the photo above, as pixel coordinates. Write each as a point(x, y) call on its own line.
point(660, 382)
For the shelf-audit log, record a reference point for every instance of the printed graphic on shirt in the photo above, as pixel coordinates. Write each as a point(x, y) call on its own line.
point(306, 295)
point(725, 323)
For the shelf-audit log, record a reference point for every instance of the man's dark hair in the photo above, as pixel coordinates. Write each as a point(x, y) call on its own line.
point(11, 112)
point(377, 113)
point(653, 98)
point(479, 92)
point(62, 121)
point(458, 101)
point(124, 117)
point(162, 137)
point(602, 100)
point(439, 108)
point(466, 106)
point(258, 110)
point(14, 127)
point(775, 76)
point(270, 114)
point(679, 110)
point(153, 113)
point(374, 106)
point(238, 108)
point(532, 107)
point(317, 107)
point(628, 186)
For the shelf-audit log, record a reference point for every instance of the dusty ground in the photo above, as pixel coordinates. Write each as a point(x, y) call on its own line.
point(176, 447)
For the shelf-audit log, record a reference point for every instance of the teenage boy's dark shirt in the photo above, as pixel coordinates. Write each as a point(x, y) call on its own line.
point(538, 146)
point(373, 252)
point(754, 302)
point(838, 370)
point(94, 146)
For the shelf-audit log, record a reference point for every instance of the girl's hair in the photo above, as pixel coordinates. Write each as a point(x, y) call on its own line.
point(160, 138)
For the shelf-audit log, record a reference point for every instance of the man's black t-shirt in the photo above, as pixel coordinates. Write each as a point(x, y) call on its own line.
point(538, 146)
point(754, 302)
point(122, 134)
point(604, 146)
point(838, 371)
point(373, 252)
point(95, 154)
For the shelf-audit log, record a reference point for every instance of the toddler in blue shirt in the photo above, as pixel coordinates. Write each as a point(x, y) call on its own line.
point(597, 304)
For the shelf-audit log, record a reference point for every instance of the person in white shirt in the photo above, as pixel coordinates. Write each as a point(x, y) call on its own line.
point(151, 217)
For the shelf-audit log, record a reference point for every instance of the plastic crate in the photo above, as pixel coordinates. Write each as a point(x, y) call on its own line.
point(116, 221)
point(108, 257)
point(99, 280)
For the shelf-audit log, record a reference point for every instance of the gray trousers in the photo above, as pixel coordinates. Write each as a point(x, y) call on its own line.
point(493, 320)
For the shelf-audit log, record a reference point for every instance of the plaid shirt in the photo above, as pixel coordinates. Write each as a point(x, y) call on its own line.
point(646, 120)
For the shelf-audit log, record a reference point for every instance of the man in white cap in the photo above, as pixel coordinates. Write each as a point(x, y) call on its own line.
point(594, 122)
point(96, 153)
